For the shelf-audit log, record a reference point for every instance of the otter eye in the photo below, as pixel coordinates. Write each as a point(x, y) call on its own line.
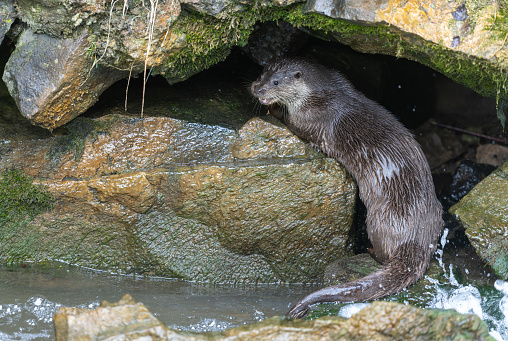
point(275, 83)
point(298, 74)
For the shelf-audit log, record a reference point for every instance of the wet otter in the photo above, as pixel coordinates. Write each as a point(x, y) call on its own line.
point(393, 176)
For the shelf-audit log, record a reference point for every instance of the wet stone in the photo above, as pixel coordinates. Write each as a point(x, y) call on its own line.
point(160, 196)
point(52, 80)
point(130, 320)
point(484, 215)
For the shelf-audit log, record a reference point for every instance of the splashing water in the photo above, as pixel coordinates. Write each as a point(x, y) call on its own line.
point(467, 299)
point(488, 303)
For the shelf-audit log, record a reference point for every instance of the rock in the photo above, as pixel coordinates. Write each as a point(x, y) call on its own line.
point(484, 215)
point(356, 11)
point(349, 269)
point(492, 154)
point(7, 16)
point(127, 320)
point(52, 80)
point(123, 35)
point(165, 197)
point(439, 145)
point(210, 7)
point(271, 40)
point(118, 31)
point(467, 175)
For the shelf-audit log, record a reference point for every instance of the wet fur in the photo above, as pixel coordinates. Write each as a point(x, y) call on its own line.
point(404, 217)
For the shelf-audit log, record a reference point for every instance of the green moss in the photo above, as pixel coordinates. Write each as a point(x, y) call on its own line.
point(20, 199)
point(209, 40)
point(20, 202)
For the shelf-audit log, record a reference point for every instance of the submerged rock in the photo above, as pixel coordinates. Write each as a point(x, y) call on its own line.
point(166, 197)
point(484, 215)
point(128, 320)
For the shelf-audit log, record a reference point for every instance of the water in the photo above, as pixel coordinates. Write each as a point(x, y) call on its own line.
point(30, 296)
point(490, 303)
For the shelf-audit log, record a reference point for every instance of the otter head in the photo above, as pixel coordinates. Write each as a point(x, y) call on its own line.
point(281, 82)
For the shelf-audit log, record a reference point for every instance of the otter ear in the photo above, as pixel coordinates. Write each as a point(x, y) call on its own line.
point(298, 74)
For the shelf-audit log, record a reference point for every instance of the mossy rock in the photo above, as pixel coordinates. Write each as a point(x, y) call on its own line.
point(485, 218)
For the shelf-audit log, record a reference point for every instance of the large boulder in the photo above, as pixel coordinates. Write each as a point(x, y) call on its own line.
point(166, 197)
point(52, 80)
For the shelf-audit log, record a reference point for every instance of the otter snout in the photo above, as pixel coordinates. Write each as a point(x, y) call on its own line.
point(259, 90)
point(256, 89)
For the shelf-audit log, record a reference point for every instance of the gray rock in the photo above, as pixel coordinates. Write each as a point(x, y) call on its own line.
point(53, 80)
point(7, 16)
point(271, 40)
point(210, 7)
point(359, 11)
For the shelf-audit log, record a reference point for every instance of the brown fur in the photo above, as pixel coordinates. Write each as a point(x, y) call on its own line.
point(394, 180)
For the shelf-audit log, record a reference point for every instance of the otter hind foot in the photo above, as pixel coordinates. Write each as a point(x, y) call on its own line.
point(299, 310)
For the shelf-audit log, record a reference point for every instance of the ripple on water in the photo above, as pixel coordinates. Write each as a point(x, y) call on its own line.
point(18, 321)
point(31, 320)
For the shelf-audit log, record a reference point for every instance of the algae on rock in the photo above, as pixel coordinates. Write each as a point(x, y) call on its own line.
point(20, 202)
point(483, 211)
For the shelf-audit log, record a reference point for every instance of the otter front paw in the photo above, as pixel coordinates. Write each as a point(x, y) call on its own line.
point(298, 311)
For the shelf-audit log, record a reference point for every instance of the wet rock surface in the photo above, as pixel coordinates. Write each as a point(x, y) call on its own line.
point(484, 215)
point(137, 38)
point(51, 81)
point(165, 197)
point(130, 320)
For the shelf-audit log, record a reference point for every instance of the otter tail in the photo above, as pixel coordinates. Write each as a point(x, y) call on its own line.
point(405, 267)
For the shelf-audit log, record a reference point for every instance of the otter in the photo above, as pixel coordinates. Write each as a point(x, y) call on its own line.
point(404, 217)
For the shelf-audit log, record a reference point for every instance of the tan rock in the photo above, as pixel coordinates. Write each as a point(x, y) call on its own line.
point(269, 138)
point(380, 321)
point(492, 154)
point(132, 190)
point(165, 197)
point(433, 21)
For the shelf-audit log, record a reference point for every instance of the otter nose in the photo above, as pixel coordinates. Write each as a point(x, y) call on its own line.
point(257, 89)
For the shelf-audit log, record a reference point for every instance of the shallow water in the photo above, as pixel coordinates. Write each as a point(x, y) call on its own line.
point(475, 293)
point(30, 296)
